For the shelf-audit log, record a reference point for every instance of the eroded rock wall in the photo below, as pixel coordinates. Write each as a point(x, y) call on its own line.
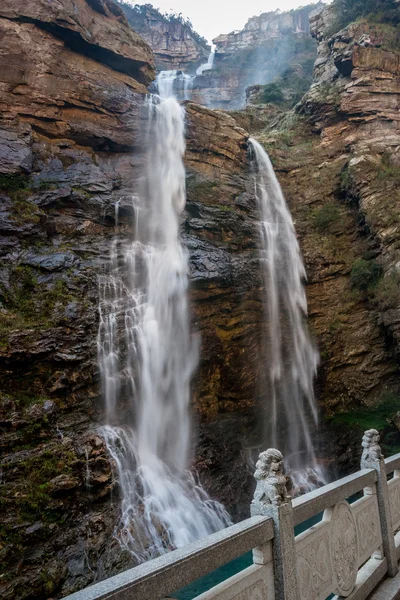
point(265, 48)
point(337, 157)
point(174, 42)
point(71, 90)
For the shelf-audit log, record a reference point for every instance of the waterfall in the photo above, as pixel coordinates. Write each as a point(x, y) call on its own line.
point(291, 355)
point(175, 84)
point(208, 65)
point(147, 353)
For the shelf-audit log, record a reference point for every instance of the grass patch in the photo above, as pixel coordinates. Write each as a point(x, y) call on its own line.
point(326, 216)
point(387, 291)
point(29, 304)
point(34, 487)
point(370, 417)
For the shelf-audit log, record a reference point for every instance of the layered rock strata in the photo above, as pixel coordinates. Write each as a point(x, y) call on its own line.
point(71, 95)
point(265, 48)
point(174, 42)
point(337, 158)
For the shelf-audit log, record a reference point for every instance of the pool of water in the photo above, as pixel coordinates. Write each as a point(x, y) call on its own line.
point(219, 575)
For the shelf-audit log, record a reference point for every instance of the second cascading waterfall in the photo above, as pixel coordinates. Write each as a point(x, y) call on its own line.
point(147, 354)
point(292, 358)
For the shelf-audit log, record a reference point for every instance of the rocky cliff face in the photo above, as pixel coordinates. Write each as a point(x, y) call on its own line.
point(337, 157)
point(174, 42)
point(72, 80)
point(71, 92)
point(267, 46)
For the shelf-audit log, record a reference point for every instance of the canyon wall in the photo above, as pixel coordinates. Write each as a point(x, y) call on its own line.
point(73, 80)
point(174, 42)
point(265, 48)
point(71, 96)
point(337, 157)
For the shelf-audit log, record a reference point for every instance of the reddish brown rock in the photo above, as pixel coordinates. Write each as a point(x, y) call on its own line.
point(96, 28)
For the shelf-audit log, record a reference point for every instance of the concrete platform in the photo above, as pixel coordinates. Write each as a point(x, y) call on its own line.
point(389, 589)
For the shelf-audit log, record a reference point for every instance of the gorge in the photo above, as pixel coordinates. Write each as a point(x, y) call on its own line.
point(73, 80)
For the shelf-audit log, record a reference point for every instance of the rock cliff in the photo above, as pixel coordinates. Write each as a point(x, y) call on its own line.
point(71, 91)
point(337, 157)
point(174, 42)
point(265, 48)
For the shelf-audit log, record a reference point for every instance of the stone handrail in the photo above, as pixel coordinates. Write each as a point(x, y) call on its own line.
point(348, 552)
point(164, 575)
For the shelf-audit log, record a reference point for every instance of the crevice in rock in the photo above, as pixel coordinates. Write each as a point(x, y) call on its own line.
point(76, 43)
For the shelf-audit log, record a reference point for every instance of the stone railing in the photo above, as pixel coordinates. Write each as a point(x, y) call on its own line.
point(347, 552)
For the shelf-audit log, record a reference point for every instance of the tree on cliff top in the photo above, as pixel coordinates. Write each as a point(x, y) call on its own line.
point(138, 16)
point(380, 11)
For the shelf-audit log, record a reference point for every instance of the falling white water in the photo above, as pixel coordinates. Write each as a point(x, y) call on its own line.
point(209, 64)
point(147, 354)
point(292, 357)
point(174, 84)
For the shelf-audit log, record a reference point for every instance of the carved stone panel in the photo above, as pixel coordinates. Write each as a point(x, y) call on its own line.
point(314, 567)
point(394, 498)
point(369, 534)
point(256, 591)
point(344, 549)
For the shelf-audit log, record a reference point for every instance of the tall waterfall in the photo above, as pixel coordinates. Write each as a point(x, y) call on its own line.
point(147, 354)
point(292, 357)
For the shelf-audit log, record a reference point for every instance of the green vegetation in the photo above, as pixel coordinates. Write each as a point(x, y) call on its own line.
point(365, 274)
point(375, 11)
point(389, 173)
point(13, 183)
point(137, 16)
point(326, 216)
point(30, 304)
point(387, 291)
point(34, 476)
point(271, 93)
point(377, 416)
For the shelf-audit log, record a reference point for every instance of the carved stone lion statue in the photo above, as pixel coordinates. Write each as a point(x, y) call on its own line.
point(271, 481)
point(372, 452)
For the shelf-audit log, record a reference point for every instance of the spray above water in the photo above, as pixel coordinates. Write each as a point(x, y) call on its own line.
point(147, 354)
point(292, 357)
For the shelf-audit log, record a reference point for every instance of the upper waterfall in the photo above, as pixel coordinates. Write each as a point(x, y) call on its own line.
point(209, 64)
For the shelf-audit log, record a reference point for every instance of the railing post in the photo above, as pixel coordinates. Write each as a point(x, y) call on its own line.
point(372, 458)
point(271, 500)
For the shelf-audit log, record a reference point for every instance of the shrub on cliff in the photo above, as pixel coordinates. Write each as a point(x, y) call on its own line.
point(326, 216)
point(364, 274)
point(272, 93)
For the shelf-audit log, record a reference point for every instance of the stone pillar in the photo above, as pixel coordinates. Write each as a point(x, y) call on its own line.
point(372, 458)
point(271, 500)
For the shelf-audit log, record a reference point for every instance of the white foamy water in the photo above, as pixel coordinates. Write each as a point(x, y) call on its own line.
point(147, 354)
point(174, 84)
point(292, 357)
point(208, 65)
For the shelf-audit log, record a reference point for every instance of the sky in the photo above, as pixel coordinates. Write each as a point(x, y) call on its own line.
point(212, 17)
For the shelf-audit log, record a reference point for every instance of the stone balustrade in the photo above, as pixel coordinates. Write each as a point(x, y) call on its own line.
point(353, 546)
